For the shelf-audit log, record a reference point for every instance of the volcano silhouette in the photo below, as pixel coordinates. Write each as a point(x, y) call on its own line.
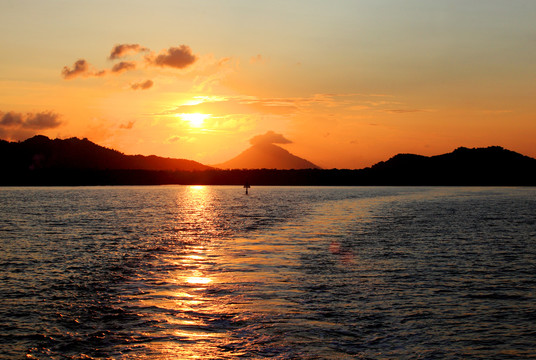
point(267, 156)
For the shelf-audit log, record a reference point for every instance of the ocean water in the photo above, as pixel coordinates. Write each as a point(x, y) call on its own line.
point(197, 272)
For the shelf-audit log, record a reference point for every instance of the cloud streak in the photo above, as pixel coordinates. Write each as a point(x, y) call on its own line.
point(121, 50)
point(144, 85)
point(269, 138)
point(123, 66)
point(256, 105)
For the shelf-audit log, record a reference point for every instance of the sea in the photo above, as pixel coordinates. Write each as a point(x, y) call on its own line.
point(208, 272)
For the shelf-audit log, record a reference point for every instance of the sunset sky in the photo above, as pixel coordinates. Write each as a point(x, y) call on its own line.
point(350, 83)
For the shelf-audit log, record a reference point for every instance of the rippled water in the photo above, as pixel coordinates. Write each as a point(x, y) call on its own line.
point(284, 273)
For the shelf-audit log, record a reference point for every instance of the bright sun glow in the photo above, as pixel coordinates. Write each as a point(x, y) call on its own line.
point(195, 120)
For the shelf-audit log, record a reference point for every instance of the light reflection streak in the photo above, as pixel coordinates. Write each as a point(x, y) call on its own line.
point(186, 308)
point(198, 280)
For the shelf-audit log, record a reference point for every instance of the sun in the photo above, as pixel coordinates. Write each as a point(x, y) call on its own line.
point(195, 120)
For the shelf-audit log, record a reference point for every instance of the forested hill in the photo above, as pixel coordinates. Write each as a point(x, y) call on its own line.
point(493, 165)
point(40, 152)
point(41, 161)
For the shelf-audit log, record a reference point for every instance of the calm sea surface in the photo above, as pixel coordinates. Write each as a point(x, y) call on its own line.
point(285, 273)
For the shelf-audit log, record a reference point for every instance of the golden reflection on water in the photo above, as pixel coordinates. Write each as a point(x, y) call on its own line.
point(201, 295)
point(186, 307)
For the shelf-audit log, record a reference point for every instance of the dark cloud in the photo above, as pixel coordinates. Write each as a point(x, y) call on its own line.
point(19, 126)
point(269, 138)
point(144, 85)
point(11, 119)
point(123, 66)
point(121, 50)
point(80, 67)
point(34, 121)
point(176, 57)
point(41, 121)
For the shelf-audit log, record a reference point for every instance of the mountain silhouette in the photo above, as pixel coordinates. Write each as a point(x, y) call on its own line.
point(483, 166)
point(40, 152)
point(42, 161)
point(267, 156)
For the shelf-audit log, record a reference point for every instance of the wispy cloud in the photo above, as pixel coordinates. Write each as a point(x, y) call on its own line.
point(269, 138)
point(257, 105)
point(257, 59)
point(122, 50)
point(127, 126)
point(144, 85)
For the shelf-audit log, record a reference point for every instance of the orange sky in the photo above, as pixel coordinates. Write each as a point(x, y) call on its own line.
point(350, 82)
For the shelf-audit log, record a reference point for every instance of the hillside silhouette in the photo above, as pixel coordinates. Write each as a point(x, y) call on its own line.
point(478, 166)
point(42, 161)
point(267, 156)
point(40, 152)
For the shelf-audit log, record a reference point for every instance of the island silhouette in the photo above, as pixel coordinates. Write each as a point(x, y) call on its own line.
point(267, 156)
point(42, 161)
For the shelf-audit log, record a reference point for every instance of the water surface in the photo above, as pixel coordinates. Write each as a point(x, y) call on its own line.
point(284, 273)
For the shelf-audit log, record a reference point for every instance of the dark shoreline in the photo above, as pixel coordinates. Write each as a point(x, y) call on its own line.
point(310, 177)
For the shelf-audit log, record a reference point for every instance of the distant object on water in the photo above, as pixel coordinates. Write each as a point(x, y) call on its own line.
point(247, 186)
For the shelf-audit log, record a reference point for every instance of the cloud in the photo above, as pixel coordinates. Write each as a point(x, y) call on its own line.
point(34, 121)
point(19, 126)
point(255, 105)
point(269, 138)
point(127, 126)
point(11, 119)
point(121, 50)
point(239, 105)
point(210, 71)
point(173, 139)
point(41, 121)
point(144, 85)
point(175, 57)
point(123, 66)
point(80, 68)
point(176, 138)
